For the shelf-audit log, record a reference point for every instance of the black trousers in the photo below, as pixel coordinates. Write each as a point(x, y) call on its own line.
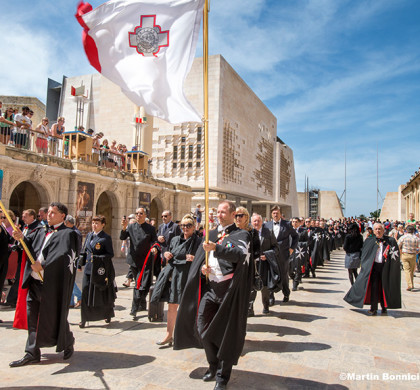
point(209, 305)
point(33, 302)
point(139, 297)
point(376, 292)
point(284, 264)
point(4, 266)
point(265, 296)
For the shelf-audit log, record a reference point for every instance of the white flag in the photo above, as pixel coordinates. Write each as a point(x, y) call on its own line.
point(147, 48)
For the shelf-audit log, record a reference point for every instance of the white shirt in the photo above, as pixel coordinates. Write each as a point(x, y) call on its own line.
point(276, 228)
point(216, 274)
point(24, 120)
point(40, 258)
point(379, 253)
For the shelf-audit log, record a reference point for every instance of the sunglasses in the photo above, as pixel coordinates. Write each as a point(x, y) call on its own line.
point(3, 218)
point(239, 215)
point(187, 226)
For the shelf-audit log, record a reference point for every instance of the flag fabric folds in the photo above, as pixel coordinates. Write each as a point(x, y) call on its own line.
point(147, 48)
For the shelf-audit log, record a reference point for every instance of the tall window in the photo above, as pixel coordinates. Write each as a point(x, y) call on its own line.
point(175, 153)
point(190, 152)
point(182, 152)
point(198, 151)
point(199, 132)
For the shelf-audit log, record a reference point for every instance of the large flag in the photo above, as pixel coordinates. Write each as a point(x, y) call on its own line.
point(147, 48)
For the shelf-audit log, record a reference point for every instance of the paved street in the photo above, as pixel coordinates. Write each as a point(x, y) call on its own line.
point(309, 342)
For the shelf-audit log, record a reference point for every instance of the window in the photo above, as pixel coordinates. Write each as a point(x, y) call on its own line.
point(173, 165)
point(199, 151)
point(182, 152)
point(190, 152)
point(199, 133)
point(182, 165)
point(182, 139)
point(198, 164)
point(190, 164)
point(175, 152)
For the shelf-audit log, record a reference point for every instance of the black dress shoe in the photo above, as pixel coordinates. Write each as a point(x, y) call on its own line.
point(372, 312)
point(384, 311)
point(220, 386)
point(286, 299)
point(251, 313)
point(208, 376)
point(108, 320)
point(68, 352)
point(82, 324)
point(27, 359)
point(266, 310)
point(133, 313)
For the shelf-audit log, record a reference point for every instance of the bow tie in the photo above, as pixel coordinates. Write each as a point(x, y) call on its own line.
point(276, 223)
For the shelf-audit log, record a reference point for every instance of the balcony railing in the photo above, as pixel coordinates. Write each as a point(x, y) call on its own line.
point(134, 161)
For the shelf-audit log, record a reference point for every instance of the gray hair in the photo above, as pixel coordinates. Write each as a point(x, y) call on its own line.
point(70, 219)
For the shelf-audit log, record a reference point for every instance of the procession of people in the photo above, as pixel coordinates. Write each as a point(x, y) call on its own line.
point(210, 286)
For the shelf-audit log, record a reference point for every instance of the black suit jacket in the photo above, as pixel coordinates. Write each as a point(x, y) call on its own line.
point(100, 245)
point(172, 231)
point(283, 238)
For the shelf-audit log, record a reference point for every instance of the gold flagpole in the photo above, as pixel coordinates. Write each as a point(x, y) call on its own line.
point(25, 248)
point(206, 119)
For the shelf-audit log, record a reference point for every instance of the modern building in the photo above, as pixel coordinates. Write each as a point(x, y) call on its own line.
point(249, 164)
point(323, 204)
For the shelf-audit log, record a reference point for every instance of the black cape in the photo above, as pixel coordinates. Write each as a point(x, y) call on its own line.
point(60, 254)
point(228, 327)
point(359, 293)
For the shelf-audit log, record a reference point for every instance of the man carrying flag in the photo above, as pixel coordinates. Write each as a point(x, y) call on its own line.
point(49, 285)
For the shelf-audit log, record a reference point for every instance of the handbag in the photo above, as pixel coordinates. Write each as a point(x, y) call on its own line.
point(258, 283)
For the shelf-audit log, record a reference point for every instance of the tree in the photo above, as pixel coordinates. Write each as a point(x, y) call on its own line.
point(375, 214)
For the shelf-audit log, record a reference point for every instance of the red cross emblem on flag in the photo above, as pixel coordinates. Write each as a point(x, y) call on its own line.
point(148, 37)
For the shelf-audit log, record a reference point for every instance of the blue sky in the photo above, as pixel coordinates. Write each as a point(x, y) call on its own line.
point(336, 73)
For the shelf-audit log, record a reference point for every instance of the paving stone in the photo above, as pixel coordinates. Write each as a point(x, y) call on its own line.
point(306, 343)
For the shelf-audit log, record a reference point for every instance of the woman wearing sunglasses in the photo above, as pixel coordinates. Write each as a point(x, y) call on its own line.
point(172, 279)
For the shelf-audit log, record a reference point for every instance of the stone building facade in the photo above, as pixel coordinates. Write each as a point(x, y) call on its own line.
point(32, 180)
point(249, 164)
point(411, 197)
point(20, 101)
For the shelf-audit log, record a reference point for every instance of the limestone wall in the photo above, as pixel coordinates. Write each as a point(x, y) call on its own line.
point(389, 208)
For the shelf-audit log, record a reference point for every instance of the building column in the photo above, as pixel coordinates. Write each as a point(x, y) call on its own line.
point(267, 211)
point(249, 207)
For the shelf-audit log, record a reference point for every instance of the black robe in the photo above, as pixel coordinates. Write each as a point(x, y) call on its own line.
point(171, 281)
point(228, 327)
point(60, 254)
point(98, 290)
point(359, 293)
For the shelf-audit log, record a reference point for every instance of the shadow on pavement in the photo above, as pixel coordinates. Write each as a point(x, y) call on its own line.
point(318, 281)
point(315, 304)
point(324, 291)
point(95, 361)
point(281, 346)
point(299, 317)
point(280, 330)
point(241, 379)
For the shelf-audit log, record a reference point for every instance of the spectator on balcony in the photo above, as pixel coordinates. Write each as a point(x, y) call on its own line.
point(23, 125)
point(6, 125)
point(43, 132)
point(57, 131)
point(106, 161)
point(96, 147)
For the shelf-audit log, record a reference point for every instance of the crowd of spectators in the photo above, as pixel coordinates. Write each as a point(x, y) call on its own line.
point(18, 130)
